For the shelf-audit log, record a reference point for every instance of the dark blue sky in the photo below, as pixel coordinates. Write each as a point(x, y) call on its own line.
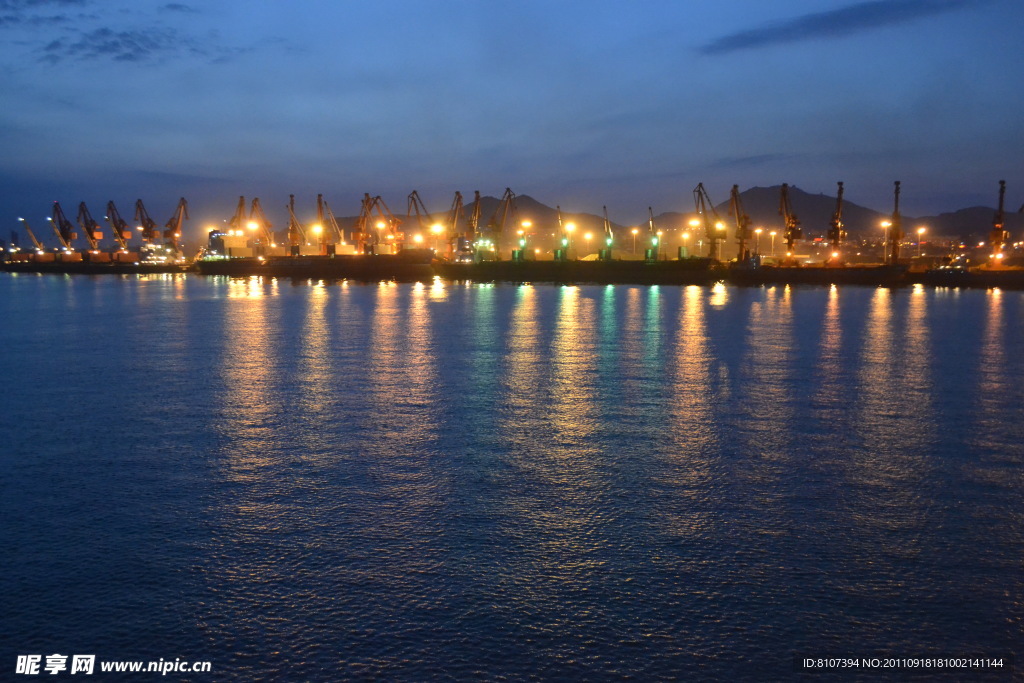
point(578, 103)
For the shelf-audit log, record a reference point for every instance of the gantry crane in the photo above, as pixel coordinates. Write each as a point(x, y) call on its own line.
point(424, 221)
point(122, 231)
point(836, 233)
point(63, 227)
point(895, 229)
point(32, 236)
point(791, 230)
point(712, 223)
point(999, 237)
point(473, 221)
point(367, 235)
point(742, 223)
point(89, 226)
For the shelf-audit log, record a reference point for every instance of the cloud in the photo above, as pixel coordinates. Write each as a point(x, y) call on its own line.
point(863, 16)
point(122, 46)
point(178, 7)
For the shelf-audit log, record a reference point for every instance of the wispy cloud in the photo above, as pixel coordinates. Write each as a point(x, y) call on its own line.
point(863, 16)
point(122, 46)
point(178, 7)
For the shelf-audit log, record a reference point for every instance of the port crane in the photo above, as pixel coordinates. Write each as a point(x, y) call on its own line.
point(325, 215)
point(707, 213)
point(791, 231)
point(609, 237)
point(452, 222)
point(32, 236)
point(473, 221)
point(999, 237)
point(653, 232)
point(506, 208)
point(742, 223)
point(147, 224)
point(258, 222)
point(895, 229)
point(122, 231)
point(424, 221)
point(296, 233)
point(385, 221)
point(90, 227)
point(173, 227)
point(836, 234)
point(63, 227)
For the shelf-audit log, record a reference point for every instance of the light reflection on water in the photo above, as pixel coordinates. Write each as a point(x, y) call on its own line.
point(410, 481)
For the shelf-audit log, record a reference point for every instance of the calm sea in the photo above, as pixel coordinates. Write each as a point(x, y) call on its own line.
point(308, 481)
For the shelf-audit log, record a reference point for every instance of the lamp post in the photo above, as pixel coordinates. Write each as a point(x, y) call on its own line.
point(686, 250)
point(318, 232)
point(635, 231)
point(657, 245)
point(885, 241)
point(920, 233)
point(588, 237)
point(570, 228)
point(757, 232)
point(773, 233)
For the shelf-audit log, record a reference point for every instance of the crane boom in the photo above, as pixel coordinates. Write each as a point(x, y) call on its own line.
point(63, 227)
point(712, 223)
point(89, 226)
point(452, 222)
point(836, 234)
point(416, 206)
point(742, 223)
point(122, 231)
point(473, 225)
point(791, 231)
point(32, 236)
point(258, 221)
point(332, 221)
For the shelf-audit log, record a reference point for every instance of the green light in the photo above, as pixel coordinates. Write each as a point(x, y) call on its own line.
point(522, 243)
point(608, 241)
point(565, 242)
point(654, 241)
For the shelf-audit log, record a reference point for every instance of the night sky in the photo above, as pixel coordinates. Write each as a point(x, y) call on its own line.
point(578, 103)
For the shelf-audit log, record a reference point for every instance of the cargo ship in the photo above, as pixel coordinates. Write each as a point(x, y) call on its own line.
point(405, 265)
point(687, 271)
point(879, 275)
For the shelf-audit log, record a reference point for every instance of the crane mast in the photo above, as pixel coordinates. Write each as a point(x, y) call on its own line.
point(424, 221)
point(63, 227)
point(32, 236)
point(496, 225)
point(742, 223)
point(367, 237)
point(836, 234)
point(331, 220)
point(122, 231)
point(89, 226)
point(895, 229)
point(712, 223)
point(792, 231)
point(999, 237)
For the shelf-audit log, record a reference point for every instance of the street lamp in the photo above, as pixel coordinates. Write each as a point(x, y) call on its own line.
point(686, 236)
point(588, 237)
point(758, 231)
point(772, 234)
point(885, 241)
point(635, 231)
point(657, 245)
point(437, 229)
point(570, 228)
point(920, 233)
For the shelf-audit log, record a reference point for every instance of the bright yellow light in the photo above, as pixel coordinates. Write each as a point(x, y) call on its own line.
point(758, 231)
point(417, 239)
point(253, 225)
point(437, 228)
point(694, 222)
point(569, 227)
point(686, 235)
point(635, 231)
point(588, 236)
point(720, 225)
point(317, 229)
point(773, 233)
point(920, 231)
point(885, 224)
point(391, 237)
point(527, 224)
point(835, 254)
